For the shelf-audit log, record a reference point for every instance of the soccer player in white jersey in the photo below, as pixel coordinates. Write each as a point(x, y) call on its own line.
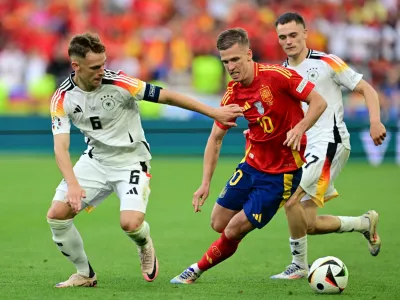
point(328, 145)
point(102, 104)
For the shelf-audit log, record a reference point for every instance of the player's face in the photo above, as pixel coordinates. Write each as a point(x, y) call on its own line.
point(292, 38)
point(90, 70)
point(237, 62)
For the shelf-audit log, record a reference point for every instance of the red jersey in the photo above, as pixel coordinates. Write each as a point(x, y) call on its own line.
point(272, 106)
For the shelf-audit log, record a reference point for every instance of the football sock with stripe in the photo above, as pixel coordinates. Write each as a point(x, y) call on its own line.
point(141, 235)
point(69, 242)
point(220, 250)
point(298, 247)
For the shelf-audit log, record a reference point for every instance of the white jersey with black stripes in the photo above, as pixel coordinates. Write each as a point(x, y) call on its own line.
point(108, 117)
point(329, 73)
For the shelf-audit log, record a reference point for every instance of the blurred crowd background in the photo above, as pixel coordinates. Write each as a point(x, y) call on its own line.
point(172, 42)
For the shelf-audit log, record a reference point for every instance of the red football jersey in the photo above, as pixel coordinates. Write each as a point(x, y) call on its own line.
point(272, 106)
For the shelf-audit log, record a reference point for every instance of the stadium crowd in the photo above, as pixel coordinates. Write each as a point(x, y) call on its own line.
point(173, 41)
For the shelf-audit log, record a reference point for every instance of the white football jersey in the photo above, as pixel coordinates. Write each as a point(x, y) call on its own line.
point(328, 72)
point(108, 117)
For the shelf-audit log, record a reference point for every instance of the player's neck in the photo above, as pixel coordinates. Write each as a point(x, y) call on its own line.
point(250, 75)
point(82, 85)
point(298, 59)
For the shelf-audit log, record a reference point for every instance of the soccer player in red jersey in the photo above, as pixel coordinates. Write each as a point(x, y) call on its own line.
point(271, 170)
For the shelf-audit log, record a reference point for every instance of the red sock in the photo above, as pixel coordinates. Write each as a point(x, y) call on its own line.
point(220, 250)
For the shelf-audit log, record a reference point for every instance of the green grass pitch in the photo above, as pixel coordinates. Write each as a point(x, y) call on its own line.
point(30, 263)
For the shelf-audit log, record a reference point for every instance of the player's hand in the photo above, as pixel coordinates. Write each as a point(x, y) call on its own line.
point(293, 138)
point(200, 196)
point(227, 115)
point(246, 132)
point(74, 197)
point(377, 132)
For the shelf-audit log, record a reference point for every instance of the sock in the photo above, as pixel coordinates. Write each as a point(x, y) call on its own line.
point(220, 250)
point(69, 241)
point(140, 236)
point(299, 252)
point(349, 224)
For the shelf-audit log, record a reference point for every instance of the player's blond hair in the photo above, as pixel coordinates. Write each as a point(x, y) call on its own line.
point(81, 44)
point(232, 36)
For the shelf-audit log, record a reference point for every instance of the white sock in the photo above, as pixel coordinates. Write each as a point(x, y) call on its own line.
point(69, 241)
point(196, 269)
point(299, 252)
point(140, 236)
point(349, 224)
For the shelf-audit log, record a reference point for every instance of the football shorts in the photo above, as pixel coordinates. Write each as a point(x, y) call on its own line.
point(259, 194)
point(131, 184)
point(325, 161)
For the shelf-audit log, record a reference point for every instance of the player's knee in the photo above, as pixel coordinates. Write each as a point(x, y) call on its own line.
point(60, 211)
point(217, 226)
point(130, 225)
point(311, 228)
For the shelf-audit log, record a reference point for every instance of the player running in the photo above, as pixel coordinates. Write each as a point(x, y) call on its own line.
point(271, 170)
point(102, 104)
point(328, 145)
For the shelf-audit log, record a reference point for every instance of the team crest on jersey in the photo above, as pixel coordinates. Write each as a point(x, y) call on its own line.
point(56, 122)
point(108, 102)
point(260, 107)
point(266, 95)
point(313, 74)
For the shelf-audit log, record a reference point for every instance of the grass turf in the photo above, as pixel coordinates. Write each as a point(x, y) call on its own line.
point(30, 263)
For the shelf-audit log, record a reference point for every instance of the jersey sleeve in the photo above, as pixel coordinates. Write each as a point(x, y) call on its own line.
point(342, 74)
point(227, 99)
point(59, 117)
point(289, 80)
point(135, 88)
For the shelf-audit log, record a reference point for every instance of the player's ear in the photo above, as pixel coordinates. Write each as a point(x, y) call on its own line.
point(249, 55)
point(305, 33)
point(75, 65)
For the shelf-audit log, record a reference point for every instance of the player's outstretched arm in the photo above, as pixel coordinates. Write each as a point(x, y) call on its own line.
point(225, 115)
point(377, 129)
point(61, 150)
point(317, 106)
point(211, 155)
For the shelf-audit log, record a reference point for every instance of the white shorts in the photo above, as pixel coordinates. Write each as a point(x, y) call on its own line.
point(324, 163)
point(131, 184)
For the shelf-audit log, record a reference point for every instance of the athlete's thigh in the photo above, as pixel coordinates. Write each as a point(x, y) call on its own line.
point(269, 193)
point(220, 217)
point(91, 177)
point(132, 185)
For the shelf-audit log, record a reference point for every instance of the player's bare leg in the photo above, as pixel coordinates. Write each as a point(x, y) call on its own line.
point(67, 238)
point(365, 224)
point(220, 217)
point(298, 238)
point(137, 229)
point(220, 250)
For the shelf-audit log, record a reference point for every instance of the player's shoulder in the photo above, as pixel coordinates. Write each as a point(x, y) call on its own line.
point(332, 60)
point(274, 71)
point(120, 79)
point(66, 86)
point(229, 95)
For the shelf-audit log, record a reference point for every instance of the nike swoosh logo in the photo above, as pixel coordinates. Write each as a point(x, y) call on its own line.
point(153, 274)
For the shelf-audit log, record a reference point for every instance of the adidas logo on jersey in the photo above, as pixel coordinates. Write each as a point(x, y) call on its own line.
point(78, 109)
point(132, 191)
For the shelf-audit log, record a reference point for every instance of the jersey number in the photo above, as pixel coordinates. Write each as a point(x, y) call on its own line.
point(315, 159)
point(134, 177)
point(96, 124)
point(266, 124)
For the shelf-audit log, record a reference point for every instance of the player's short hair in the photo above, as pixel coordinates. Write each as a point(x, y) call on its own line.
point(232, 36)
point(290, 17)
point(81, 44)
